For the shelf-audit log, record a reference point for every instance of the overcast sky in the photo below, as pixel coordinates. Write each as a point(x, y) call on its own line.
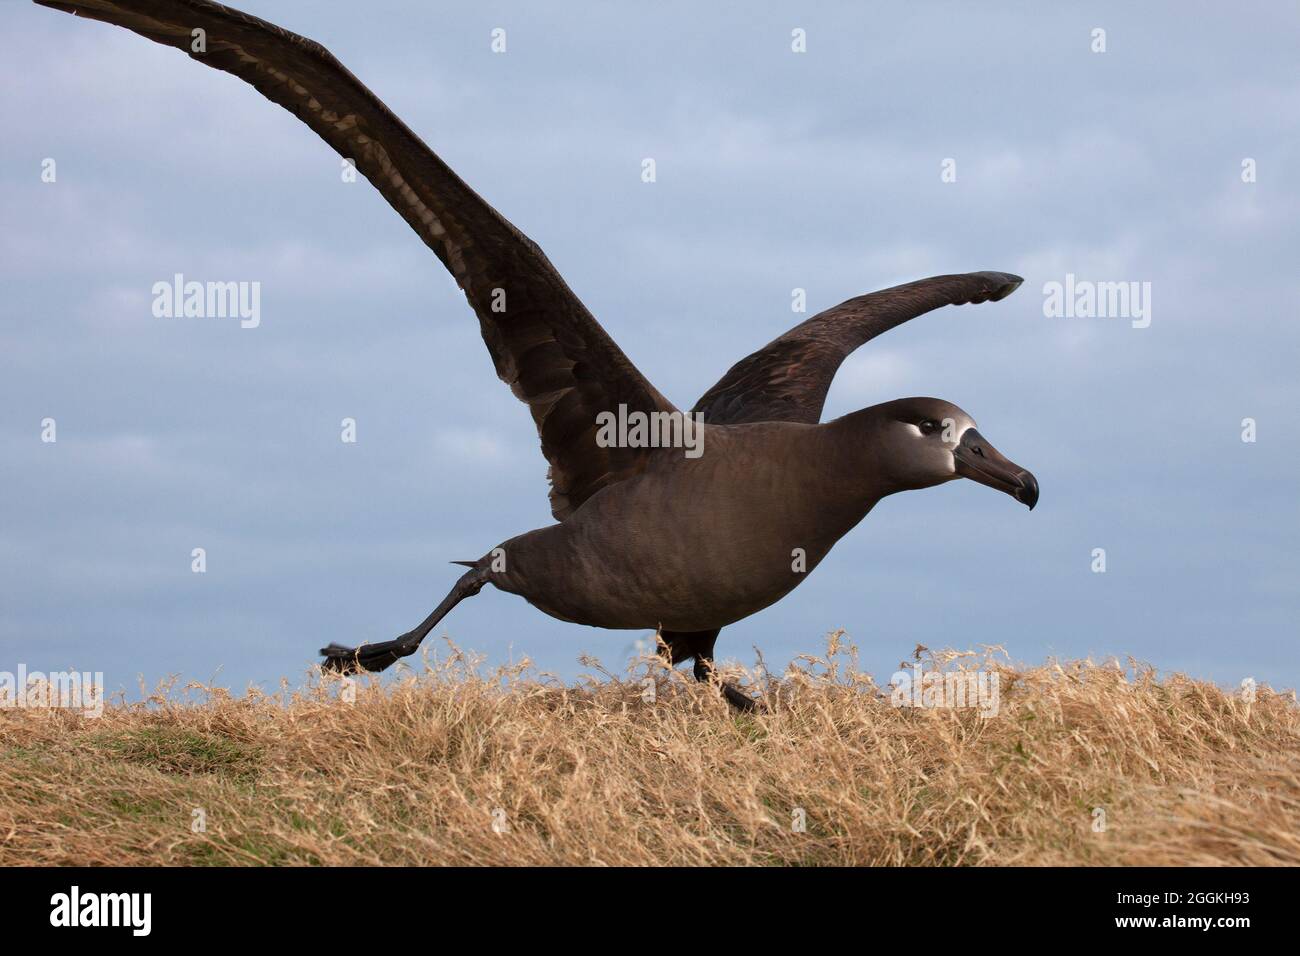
point(775, 170)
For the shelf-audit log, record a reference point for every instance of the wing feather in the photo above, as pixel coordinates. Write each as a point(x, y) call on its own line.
point(787, 380)
point(544, 343)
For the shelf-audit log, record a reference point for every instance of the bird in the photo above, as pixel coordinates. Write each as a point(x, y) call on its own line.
point(746, 493)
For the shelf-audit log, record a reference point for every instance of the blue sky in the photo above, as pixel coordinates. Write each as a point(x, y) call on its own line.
point(776, 170)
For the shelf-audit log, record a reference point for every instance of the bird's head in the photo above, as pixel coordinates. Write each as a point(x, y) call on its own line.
point(927, 441)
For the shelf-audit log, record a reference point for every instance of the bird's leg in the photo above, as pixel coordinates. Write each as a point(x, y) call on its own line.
point(677, 646)
point(735, 696)
point(375, 657)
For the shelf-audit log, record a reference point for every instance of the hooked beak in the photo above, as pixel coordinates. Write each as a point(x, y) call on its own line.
point(979, 461)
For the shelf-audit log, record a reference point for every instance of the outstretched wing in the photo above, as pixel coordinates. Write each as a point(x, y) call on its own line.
point(545, 344)
point(787, 380)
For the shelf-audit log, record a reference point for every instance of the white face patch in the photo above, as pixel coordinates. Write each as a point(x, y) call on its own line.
point(951, 431)
point(952, 434)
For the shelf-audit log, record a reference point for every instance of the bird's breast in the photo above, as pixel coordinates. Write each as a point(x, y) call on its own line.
point(697, 549)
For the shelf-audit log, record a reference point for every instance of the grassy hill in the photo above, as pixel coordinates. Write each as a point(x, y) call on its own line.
point(1082, 764)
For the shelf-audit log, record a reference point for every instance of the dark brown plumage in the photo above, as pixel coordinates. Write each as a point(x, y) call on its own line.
point(647, 537)
point(787, 379)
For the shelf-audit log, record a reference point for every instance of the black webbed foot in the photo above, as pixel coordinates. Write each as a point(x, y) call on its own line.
point(367, 657)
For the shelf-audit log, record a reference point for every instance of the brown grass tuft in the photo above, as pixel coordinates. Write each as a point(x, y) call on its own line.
point(411, 773)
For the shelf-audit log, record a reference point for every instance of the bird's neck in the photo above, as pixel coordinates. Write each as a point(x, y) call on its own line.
point(852, 448)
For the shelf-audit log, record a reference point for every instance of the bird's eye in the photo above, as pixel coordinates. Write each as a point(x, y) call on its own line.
point(929, 426)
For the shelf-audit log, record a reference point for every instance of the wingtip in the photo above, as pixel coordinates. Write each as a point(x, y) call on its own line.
point(1006, 283)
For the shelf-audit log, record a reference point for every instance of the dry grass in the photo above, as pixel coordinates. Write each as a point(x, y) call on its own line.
point(411, 773)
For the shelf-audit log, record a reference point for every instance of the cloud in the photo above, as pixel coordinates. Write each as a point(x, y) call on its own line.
point(819, 171)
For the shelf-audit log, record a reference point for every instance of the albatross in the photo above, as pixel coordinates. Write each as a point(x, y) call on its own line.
point(646, 536)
